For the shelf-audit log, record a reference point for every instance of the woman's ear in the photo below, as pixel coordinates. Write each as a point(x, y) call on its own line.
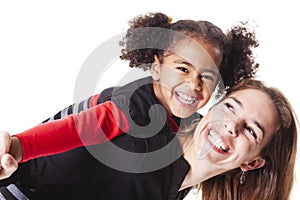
point(155, 69)
point(254, 164)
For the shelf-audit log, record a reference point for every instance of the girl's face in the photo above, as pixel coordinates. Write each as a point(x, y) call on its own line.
point(237, 129)
point(185, 80)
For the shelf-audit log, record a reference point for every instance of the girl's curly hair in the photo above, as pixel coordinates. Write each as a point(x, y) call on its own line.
point(147, 37)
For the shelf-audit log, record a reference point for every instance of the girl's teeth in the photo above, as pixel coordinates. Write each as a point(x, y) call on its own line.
point(185, 98)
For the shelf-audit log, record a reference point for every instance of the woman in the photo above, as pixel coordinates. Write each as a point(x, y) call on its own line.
point(247, 143)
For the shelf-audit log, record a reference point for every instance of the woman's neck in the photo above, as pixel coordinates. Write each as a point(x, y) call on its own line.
point(200, 169)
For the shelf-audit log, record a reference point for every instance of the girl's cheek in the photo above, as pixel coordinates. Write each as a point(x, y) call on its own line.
point(170, 77)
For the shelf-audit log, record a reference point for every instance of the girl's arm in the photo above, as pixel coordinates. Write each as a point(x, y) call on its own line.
point(76, 108)
point(93, 126)
point(90, 102)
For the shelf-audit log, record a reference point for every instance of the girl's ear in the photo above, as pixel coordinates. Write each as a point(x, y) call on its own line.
point(155, 69)
point(254, 164)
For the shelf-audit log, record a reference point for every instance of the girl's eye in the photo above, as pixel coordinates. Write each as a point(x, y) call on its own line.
point(208, 77)
point(251, 131)
point(183, 69)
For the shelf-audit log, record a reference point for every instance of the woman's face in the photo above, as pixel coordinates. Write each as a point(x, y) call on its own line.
point(237, 129)
point(187, 77)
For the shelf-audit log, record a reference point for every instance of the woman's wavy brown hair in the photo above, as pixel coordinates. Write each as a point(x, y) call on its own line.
point(275, 180)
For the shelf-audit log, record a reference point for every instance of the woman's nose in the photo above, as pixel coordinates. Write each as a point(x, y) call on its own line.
point(231, 127)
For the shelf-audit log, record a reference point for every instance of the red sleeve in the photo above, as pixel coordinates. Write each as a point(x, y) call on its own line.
point(93, 126)
point(94, 100)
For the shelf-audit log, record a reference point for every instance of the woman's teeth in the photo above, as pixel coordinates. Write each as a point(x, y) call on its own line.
point(184, 98)
point(216, 141)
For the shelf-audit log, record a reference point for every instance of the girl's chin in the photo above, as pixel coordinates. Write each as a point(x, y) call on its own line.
point(183, 111)
point(183, 114)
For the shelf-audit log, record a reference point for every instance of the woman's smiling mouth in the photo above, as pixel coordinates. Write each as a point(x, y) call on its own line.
point(217, 142)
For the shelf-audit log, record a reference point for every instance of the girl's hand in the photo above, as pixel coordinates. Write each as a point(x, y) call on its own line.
point(8, 164)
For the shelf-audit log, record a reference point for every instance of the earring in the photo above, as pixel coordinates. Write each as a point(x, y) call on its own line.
point(242, 178)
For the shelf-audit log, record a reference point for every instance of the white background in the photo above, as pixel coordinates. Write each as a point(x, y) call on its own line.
point(43, 45)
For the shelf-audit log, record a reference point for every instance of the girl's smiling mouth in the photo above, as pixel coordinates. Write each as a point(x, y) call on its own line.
point(186, 99)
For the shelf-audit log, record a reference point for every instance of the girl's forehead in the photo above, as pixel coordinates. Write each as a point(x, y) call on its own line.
point(198, 54)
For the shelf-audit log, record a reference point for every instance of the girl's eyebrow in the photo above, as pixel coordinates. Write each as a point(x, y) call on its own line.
point(257, 124)
point(183, 61)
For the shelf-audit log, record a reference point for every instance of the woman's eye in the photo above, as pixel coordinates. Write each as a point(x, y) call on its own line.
point(250, 130)
point(183, 69)
point(229, 106)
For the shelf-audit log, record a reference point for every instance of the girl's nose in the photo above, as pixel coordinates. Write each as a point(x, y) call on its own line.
point(195, 84)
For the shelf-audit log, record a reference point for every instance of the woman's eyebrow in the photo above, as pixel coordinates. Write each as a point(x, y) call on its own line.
point(260, 127)
point(236, 101)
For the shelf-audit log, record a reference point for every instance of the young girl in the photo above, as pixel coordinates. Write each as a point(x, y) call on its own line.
point(184, 73)
point(248, 144)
